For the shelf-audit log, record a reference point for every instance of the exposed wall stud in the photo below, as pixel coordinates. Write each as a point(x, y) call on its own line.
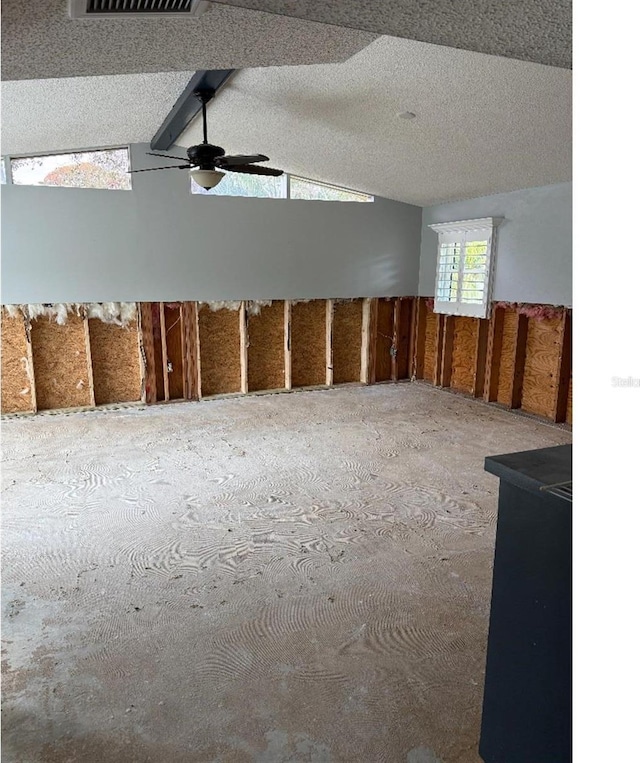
point(372, 341)
point(147, 352)
point(30, 373)
point(395, 340)
point(439, 346)
point(87, 345)
point(165, 361)
point(365, 344)
point(413, 338)
point(191, 351)
point(447, 350)
point(563, 373)
point(494, 352)
point(329, 342)
point(287, 344)
point(481, 357)
point(244, 376)
point(520, 352)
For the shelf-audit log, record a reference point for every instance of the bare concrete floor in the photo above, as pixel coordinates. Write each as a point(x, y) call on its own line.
point(297, 578)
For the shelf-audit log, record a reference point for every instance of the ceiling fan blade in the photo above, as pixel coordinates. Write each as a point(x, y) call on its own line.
point(249, 169)
point(230, 161)
point(174, 167)
point(168, 156)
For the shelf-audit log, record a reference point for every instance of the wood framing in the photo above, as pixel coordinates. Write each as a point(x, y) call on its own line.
point(386, 350)
point(395, 339)
point(371, 340)
point(482, 335)
point(403, 336)
point(174, 349)
point(494, 354)
point(348, 341)
point(413, 333)
point(87, 349)
point(287, 344)
point(447, 350)
point(163, 350)
point(30, 373)
point(191, 350)
point(244, 359)
point(520, 353)
point(438, 349)
point(147, 350)
point(563, 372)
point(329, 342)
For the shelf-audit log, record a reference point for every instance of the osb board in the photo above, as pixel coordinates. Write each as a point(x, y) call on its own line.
point(430, 331)
point(219, 350)
point(60, 363)
point(309, 343)
point(173, 334)
point(115, 358)
point(465, 336)
point(347, 341)
point(266, 348)
point(16, 387)
point(384, 339)
point(404, 333)
point(544, 344)
point(569, 402)
point(507, 356)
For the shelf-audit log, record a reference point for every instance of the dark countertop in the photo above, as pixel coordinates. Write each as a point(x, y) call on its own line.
point(533, 469)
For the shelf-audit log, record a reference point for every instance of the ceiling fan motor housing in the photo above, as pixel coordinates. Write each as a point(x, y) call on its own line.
point(204, 155)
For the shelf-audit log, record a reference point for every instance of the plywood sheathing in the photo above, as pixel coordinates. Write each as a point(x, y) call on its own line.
point(266, 348)
point(494, 354)
point(420, 338)
point(384, 339)
point(463, 363)
point(544, 346)
point(60, 363)
point(219, 351)
point(404, 332)
point(308, 343)
point(174, 345)
point(346, 338)
point(115, 357)
point(17, 385)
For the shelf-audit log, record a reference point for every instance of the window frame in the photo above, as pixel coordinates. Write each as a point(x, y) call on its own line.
point(9, 158)
point(462, 232)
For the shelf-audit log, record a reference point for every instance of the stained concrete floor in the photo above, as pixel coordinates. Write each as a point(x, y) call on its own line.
point(300, 578)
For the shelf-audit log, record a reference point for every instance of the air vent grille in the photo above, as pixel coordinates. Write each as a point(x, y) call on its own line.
point(94, 9)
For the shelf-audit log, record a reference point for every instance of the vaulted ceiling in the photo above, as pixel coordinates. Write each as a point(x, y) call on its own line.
point(319, 97)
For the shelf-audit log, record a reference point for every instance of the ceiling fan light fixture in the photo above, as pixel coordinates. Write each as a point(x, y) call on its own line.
point(207, 179)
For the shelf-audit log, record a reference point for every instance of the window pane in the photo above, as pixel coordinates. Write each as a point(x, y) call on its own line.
point(238, 184)
point(3, 174)
point(89, 169)
point(307, 189)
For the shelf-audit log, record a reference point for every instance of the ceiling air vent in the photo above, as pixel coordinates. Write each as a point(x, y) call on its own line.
point(110, 9)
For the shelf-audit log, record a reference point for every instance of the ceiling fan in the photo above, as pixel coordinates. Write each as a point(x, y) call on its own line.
point(205, 160)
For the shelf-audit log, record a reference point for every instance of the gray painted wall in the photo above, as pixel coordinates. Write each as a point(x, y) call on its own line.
point(158, 242)
point(533, 262)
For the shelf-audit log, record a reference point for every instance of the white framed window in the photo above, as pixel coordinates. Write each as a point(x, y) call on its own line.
point(464, 271)
point(105, 168)
point(314, 190)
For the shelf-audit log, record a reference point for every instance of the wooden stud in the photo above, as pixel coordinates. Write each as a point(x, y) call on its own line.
point(519, 355)
point(439, 345)
point(30, 372)
point(163, 340)
point(395, 339)
point(244, 350)
point(87, 346)
point(413, 335)
point(563, 373)
point(447, 350)
point(364, 344)
point(192, 377)
point(287, 344)
point(329, 342)
point(141, 351)
point(372, 340)
point(494, 351)
point(147, 352)
point(481, 357)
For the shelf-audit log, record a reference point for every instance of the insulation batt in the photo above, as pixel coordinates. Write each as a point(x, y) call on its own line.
point(119, 313)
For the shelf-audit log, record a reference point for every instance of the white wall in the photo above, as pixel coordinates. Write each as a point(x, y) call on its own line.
point(533, 262)
point(159, 242)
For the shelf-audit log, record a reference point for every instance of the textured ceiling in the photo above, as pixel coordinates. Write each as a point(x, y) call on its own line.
point(41, 116)
point(535, 30)
point(40, 41)
point(484, 124)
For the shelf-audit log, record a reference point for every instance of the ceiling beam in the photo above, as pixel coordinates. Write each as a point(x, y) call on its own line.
point(188, 106)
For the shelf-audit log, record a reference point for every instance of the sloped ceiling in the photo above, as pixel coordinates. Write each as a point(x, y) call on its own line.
point(40, 41)
point(536, 30)
point(483, 124)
